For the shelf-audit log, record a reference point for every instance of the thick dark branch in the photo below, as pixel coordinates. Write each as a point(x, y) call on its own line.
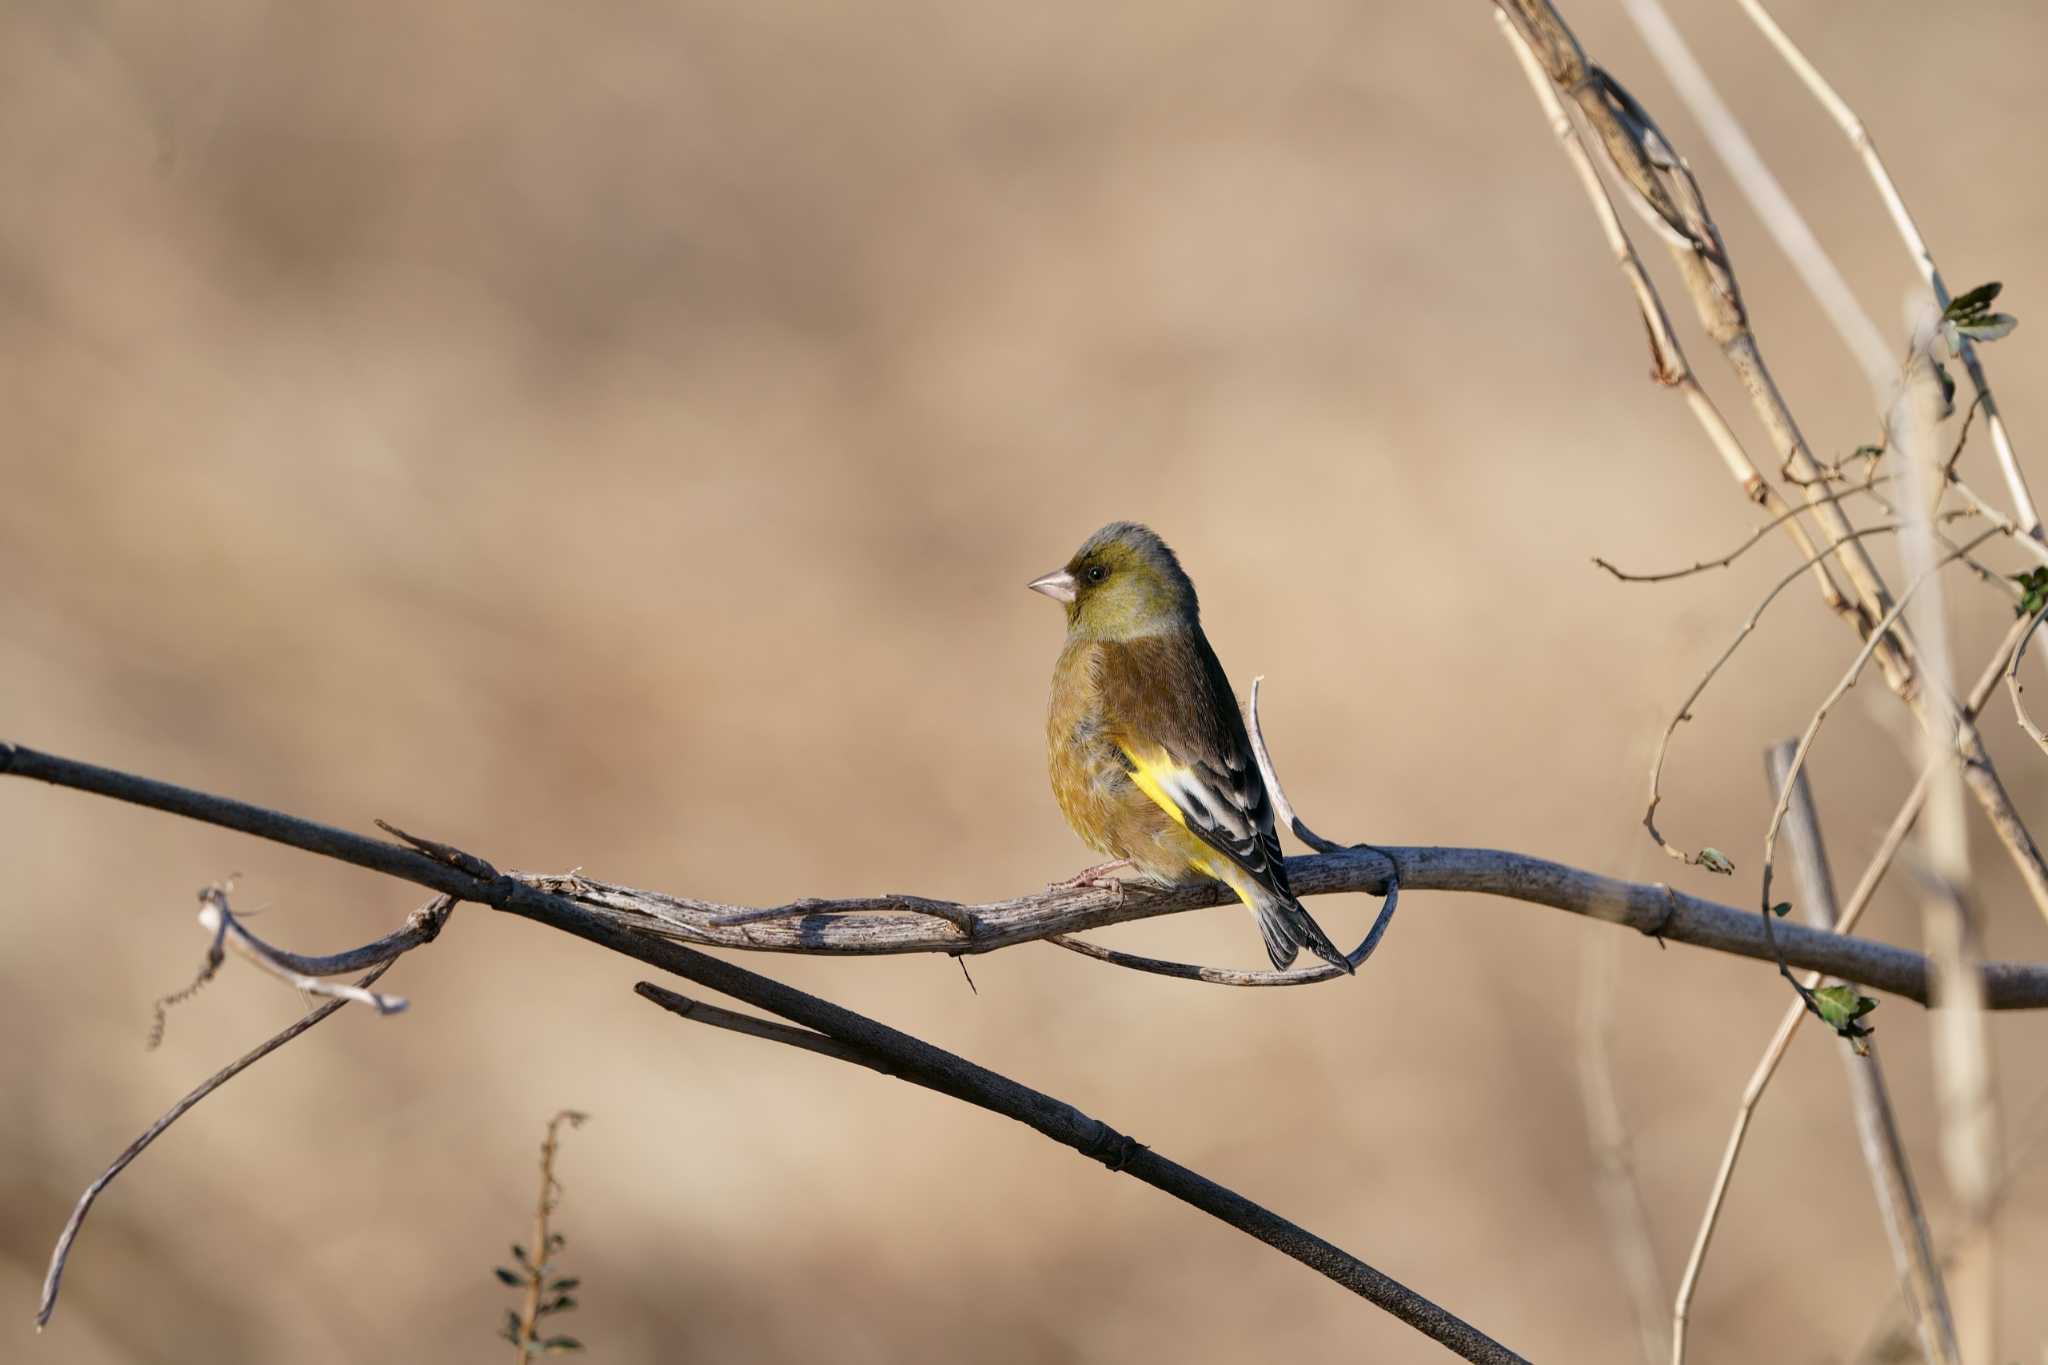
point(468, 878)
point(1649, 908)
point(863, 1042)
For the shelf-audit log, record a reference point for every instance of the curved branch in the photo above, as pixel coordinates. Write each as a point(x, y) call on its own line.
point(616, 914)
point(306, 973)
point(1684, 712)
point(1223, 976)
point(2012, 681)
point(1761, 530)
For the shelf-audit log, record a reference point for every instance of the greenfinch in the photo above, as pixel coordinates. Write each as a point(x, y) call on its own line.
point(1148, 753)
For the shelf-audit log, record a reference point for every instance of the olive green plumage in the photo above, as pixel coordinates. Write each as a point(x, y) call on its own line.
point(1147, 750)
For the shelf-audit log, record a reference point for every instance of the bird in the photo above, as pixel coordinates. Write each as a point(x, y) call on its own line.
point(1145, 745)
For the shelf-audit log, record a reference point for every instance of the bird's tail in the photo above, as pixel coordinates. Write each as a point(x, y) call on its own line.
point(1287, 927)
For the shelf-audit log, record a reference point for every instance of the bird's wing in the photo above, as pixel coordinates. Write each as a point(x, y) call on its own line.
point(1175, 721)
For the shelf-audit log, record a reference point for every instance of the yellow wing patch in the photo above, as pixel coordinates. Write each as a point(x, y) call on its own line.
point(1155, 776)
point(1159, 777)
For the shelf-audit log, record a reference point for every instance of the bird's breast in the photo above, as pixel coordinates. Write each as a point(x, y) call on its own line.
point(1091, 778)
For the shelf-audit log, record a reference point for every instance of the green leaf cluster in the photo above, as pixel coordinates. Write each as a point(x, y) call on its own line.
point(2033, 591)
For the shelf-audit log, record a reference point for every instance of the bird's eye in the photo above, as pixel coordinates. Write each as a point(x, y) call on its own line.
point(1096, 573)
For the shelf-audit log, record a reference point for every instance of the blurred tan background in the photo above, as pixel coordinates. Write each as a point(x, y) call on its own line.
point(616, 435)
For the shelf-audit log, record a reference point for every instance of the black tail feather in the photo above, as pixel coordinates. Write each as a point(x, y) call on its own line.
point(1287, 927)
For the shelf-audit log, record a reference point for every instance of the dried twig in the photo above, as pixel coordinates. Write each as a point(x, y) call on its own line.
point(220, 920)
point(1762, 529)
point(420, 927)
point(1651, 170)
point(1909, 232)
point(2012, 680)
point(1684, 712)
point(1669, 365)
point(1775, 207)
point(216, 954)
point(522, 1328)
point(53, 1279)
point(1847, 681)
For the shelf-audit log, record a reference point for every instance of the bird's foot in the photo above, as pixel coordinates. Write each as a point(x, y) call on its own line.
point(1096, 877)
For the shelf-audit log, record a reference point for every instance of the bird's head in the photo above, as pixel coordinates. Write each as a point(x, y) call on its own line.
point(1123, 583)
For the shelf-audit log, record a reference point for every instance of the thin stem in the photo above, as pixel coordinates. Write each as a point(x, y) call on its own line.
point(1847, 681)
point(61, 1254)
point(542, 1250)
point(1220, 976)
point(1748, 542)
point(1916, 245)
point(1781, 217)
point(1684, 712)
point(2012, 680)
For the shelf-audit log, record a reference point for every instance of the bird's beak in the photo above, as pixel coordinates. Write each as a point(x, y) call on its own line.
point(1058, 585)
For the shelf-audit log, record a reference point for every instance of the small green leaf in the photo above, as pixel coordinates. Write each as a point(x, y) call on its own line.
point(1781, 909)
point(519, 1255)
point(556, 1346)
point(1963, 307)
point(1948, 386)
point(1842, 1010)
point(2033, 591)
point(556, 1241)
point(1867, 452)
point(564, 1285)
point(510, 1277)
point(1714, 860)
